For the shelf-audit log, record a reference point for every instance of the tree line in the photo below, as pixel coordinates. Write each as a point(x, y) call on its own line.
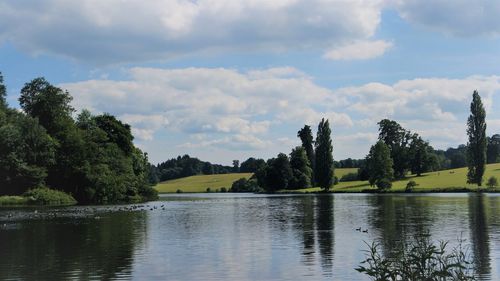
point(91, 157)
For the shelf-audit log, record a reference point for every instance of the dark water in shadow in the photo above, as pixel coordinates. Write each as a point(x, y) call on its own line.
point(239, 237)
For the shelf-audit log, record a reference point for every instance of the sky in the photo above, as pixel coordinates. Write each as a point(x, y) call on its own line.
point(232, 79)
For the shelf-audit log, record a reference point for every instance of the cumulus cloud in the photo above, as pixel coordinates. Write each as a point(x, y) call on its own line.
point(359, 50)
point(105, 32)
point(458, 17)
point(233, 106)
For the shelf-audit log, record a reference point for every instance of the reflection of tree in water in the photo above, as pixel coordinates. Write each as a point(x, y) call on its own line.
point(305, 227)
point(398, 218)
point(77, 248)
point(479, 234)
point(324, 228)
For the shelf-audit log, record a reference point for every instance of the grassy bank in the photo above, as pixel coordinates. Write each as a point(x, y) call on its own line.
point(39, 197)
point(200, 183)
point(442, 181)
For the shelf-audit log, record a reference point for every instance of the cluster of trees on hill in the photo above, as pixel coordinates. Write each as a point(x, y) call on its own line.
point(308, 165)
point(186, 166)
point(91, 157)
point(399, 151)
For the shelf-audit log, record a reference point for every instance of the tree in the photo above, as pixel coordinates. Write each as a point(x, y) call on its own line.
point(324, 156)
point(252, 165)
point(3, 94)
point(418, 155)
point(236, 166)
point(492, 182)
point(493, 149)
point(51, 105)
point(306, 137)
point(397, 139)
point(379, 164)
point(301, 170)
point(278, 173)
point(476, 146)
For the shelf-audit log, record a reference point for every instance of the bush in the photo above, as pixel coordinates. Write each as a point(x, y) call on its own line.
point(492, 182)
point(223, 189)
point(244, 185)
point(13, 200)
point(350, 177)
point(46, 196)
point(335, 180)
point(419, 259)
point(384, 184)
point(209, 190)
point(410, 185)
point(178, 191)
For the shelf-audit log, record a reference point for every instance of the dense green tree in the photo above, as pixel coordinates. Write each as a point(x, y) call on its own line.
point(50, 104)
point(397, 138)
point(3, 94)
point(418, 153)
point(493, 149)
point(379, 164)
point(244, 185)
point(476, 147)
point(252, 165)
point(306, 137)
point(324, 156)
point(301, 170)
point(277, 174)
point(236, 166)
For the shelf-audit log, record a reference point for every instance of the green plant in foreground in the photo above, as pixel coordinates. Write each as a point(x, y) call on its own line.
point(418, 260)
point(46, 196)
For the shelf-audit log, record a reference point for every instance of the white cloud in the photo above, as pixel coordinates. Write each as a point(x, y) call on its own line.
point(105, 32)
point(457, 17)
point(359, 50)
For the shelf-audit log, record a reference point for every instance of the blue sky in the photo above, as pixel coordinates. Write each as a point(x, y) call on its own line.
point(230, 79)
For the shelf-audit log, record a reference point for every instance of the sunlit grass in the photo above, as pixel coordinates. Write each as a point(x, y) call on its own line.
point(200, 183)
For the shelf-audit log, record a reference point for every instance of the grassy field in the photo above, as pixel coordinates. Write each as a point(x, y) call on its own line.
point(448, 180)
point(200, 183)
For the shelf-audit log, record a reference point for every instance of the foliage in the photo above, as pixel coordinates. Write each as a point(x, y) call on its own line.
point(397, 139)
point(493, 149)
point(418, 260)
point(476, 147)
point(384, 184)
point(301, 169)
point(46, 196)
point(350, 163)
point(306, 137)
point(492, 182)
point(324, 169)
point(245, 185)
point(379, 164)
point(7, 200)
point(277, 174)
point(252, 165)
point(3, 94)
point(410, 185)
point(199, 183)
point(349, 177)
point(186, 166)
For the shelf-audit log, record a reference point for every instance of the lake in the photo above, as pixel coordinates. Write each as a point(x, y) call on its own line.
point(239, 236)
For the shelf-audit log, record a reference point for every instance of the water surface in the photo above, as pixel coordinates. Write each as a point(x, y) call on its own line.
point(239, 236)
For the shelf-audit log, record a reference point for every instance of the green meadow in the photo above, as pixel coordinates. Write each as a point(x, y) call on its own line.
point(200, 183)
point(446, 180)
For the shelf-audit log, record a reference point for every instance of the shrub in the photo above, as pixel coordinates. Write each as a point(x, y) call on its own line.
point(244, 185)
point(410, 185)
point(335, 180)
point(492, 182)
point(178, 191)
point(384, 184)
point(419, 259)
point(350, 177)
point(209, 190)
point(46, 196)
point(13, 200)
point(223, 189)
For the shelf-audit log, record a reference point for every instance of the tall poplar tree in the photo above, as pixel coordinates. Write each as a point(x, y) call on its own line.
point(476, 147)
point(305, 135)
point(324, 156)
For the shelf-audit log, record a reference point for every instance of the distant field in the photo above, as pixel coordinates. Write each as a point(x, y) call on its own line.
point(443, 180)
point(200, 183)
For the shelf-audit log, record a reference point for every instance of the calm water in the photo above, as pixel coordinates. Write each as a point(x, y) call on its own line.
point(238, 237)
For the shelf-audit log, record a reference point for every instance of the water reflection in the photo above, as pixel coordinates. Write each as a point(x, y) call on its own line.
point(325, 230)
point(69, 248)
point(478, 225)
